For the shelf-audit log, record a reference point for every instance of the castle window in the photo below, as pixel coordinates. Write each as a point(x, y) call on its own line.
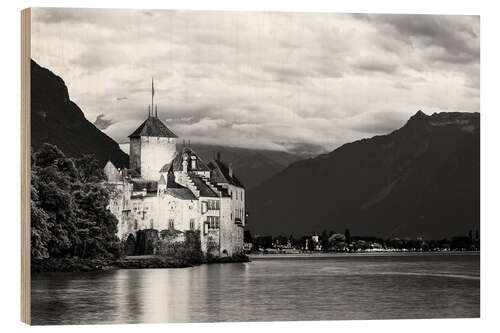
point(193, 162)
point(191, 224)
point(213, 204)
point(135, 224)
point(151, 225)
point(213, 222)
point(171, 224)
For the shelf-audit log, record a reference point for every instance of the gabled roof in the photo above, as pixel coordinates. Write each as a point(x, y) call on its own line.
point(153, 127)
point(181, 193)
point(173, 189)
point(205, 190)
point(177, 190)
point(176, 164)
point(166, 167)
point(219, 173)
point(112, 173)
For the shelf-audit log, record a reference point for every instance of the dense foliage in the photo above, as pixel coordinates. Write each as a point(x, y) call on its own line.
point(69, 217)
point(189, 249)
point(338, 242)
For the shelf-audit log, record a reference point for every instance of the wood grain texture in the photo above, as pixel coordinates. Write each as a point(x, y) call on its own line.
point(25, 165)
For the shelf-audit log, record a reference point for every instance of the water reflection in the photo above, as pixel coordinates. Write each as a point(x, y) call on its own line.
point(362, 287)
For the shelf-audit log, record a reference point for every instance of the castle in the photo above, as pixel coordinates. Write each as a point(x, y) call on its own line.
point(170, 189)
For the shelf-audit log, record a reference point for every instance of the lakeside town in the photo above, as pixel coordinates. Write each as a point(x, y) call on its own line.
point(330, 242)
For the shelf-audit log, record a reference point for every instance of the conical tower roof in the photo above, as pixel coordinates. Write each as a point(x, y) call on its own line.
point(153, 127)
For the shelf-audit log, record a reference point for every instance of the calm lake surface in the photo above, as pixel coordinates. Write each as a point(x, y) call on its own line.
point(380, 286)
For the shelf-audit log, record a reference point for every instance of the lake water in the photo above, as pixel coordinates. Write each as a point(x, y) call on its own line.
point(341, 287)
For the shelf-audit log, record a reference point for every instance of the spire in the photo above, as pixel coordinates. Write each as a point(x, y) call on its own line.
point(152, 91)
point(156, 110)
point(149, 111)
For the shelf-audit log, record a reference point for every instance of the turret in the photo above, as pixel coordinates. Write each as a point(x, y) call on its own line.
point(152, 145)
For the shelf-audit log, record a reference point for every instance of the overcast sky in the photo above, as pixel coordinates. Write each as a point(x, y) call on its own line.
point(284, 81)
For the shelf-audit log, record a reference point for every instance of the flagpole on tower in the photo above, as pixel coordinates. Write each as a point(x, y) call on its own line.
point(152, 91)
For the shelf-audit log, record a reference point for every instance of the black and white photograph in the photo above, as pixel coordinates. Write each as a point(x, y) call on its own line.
point(188, 166)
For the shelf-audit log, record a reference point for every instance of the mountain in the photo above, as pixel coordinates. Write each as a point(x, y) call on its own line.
point(252, 166)
point(57, 120)
point(420, 180)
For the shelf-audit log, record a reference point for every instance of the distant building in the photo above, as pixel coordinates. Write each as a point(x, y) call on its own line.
point(315, 238)
point(166, 189)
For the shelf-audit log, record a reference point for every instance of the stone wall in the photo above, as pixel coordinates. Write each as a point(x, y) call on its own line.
point(231, 239)
point(146, 242)
point(135, 154)
point(155, 153)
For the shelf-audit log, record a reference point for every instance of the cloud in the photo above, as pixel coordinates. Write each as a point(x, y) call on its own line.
point(453, 39)
point(303, 148)
point(286, 81)
point(380, 122)
point(372, 65)
point(102, 122)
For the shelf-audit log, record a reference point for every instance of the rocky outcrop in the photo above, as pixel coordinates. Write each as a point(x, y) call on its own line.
point(57, 120)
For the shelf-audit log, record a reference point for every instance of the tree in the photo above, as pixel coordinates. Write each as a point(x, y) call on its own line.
point(247, 236)
point(347, 235)
point(96, 225)
point(324, 240)
point(40, 225)
point(69, 214)
point(337, 241)
point(89, 170)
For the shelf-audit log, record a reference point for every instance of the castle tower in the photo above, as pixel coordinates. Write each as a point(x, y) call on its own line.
point(152, 145)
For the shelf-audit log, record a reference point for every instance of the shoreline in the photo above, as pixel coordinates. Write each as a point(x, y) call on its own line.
point(354, 254)
point(65, 265)
point(62, 265)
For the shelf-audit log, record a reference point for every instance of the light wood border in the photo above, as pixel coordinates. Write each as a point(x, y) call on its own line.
point(25, 165)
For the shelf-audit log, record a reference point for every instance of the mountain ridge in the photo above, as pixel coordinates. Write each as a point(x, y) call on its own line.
point(356, 185)
point(57, 120)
